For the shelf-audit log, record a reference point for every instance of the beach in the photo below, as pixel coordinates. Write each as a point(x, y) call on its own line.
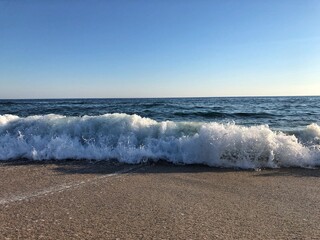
point(110, 200)
point(159, 120)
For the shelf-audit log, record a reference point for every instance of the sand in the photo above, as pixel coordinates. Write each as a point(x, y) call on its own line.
point(83, 200)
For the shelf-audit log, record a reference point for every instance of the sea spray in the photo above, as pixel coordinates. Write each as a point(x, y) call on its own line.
point(133, 139)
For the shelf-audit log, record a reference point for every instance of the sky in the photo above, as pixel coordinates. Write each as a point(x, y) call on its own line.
point(159, 48)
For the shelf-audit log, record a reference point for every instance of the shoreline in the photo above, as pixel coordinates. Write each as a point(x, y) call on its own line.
point(81, 199)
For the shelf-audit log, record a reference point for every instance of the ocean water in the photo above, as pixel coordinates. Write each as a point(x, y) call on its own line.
point(244, 132)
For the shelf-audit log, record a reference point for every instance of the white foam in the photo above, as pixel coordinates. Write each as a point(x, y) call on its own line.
point(133, 139)
point(7, 118)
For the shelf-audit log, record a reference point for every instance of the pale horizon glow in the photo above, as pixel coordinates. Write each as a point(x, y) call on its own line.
point(145, 49)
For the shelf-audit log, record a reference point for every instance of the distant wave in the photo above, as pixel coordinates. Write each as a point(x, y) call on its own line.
point(134, 139)
point(6, 103)
point(254, 115)
point(213, 114)
point(201, 114)
point(152, 104)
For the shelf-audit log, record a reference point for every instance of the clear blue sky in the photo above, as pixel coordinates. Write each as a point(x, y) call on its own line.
point(160, 48)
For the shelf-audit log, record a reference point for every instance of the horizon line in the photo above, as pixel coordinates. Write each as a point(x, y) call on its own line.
point(230, 96)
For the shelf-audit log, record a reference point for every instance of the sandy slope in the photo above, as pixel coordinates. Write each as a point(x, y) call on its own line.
point(81, 200)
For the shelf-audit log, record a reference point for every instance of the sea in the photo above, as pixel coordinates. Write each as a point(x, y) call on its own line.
point(227, 132)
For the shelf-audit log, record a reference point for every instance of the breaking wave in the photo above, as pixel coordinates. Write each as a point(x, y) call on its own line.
point(134, 139)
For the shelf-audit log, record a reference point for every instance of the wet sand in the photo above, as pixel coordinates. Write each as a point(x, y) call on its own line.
point(83, 200)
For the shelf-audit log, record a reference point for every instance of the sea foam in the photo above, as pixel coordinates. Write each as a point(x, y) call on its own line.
point(134, 139)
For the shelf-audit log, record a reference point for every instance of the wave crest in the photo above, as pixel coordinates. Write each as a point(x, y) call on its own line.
point(133, 139)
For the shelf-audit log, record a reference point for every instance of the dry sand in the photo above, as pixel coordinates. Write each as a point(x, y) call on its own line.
point(82, 200)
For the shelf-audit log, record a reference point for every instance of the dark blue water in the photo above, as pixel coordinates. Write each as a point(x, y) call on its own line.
point(280, 113)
